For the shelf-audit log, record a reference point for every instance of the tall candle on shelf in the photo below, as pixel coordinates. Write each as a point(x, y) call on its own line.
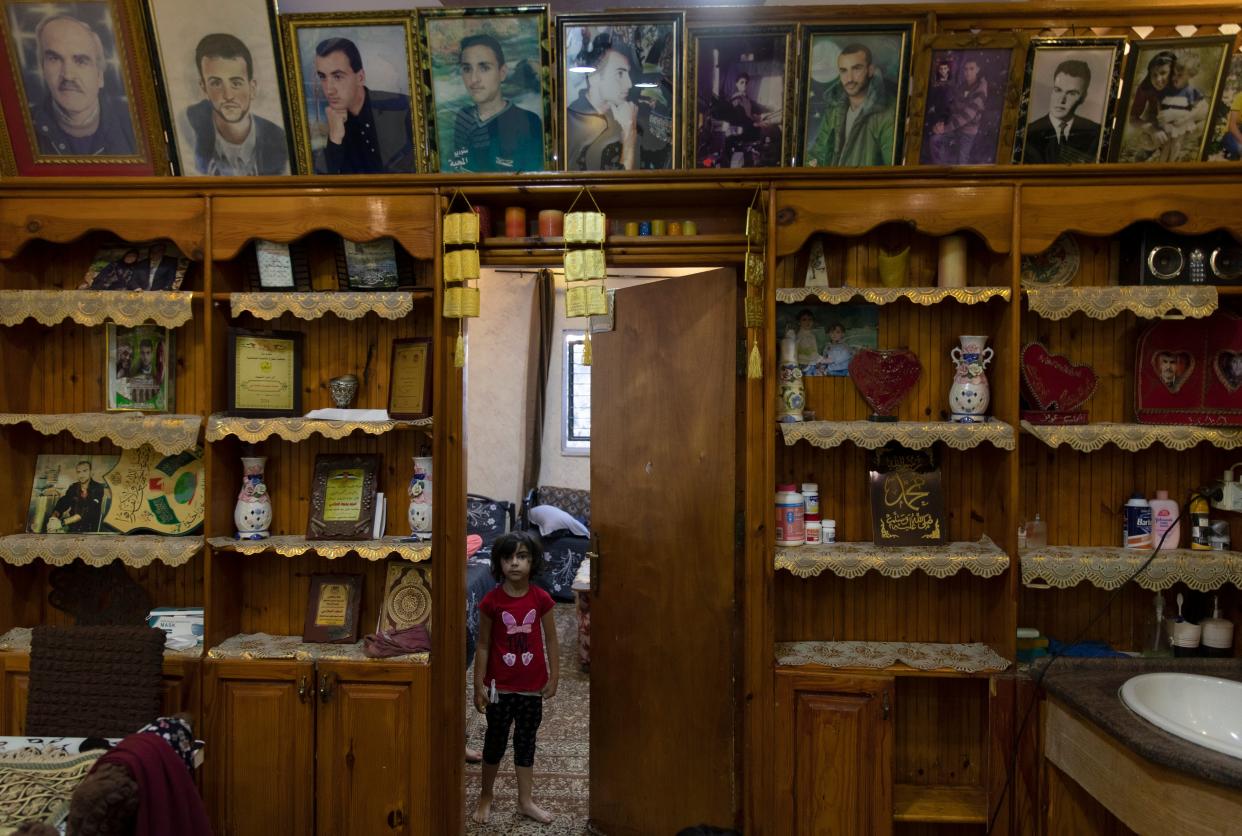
point(952, 267)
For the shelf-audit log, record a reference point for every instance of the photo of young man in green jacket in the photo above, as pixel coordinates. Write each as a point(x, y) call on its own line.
point(858, 126)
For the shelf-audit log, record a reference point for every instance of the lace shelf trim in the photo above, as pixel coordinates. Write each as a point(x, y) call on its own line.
point(888, 295)
point(1087, 438)
point(923, 656)
point(1108, 567)
point(913, 434)
point(167, 434)
point(1193, 301)
point(170, 308)
point(136, 550)
point(346, 305)
point(294, 545)
point(266, 646)
point(853, 560)
point(298, 429)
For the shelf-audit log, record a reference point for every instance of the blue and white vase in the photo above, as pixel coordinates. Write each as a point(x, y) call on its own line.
point(253, 512)
point(419, 492)
point(970, 394)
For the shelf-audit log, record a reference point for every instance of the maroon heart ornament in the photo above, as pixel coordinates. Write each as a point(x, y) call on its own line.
point(885, 376)
point(1053, 382)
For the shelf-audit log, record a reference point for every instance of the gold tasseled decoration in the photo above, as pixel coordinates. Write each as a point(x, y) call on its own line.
point(459, 354)
point(754, 369)
point(586, 350)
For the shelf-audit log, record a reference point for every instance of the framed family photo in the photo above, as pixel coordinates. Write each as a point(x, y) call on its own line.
point(1170, 88)
point(853, 111)
point(139, 368)
point(740, 96)
point(149, 265)
point(487, 76)
point(1225, 138)
point(220, 67)
point(620, 91)
point(966, 92)
point(353, 100)
point(74, 97)
point(1068, 99)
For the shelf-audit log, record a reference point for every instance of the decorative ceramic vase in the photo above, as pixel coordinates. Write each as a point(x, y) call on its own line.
point(253, 513)
point(894, 269)
point(969, 395)
point(790, 397)
point(343, 389)
point(419, 491)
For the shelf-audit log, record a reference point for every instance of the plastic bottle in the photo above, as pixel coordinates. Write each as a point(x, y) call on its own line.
point(810, 498)
point(1200, 527)
point(790, 519)
point(1136, 530)
point(829, 528)
point(1036, 533)
point(1164, 518)
point(814, 535)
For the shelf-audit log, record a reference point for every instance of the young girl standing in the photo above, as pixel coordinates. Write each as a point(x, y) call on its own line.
point(511, 670)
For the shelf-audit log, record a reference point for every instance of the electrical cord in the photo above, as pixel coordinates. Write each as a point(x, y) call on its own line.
point(1201, 493)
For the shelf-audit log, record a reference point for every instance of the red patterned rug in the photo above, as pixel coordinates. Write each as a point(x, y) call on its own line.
point(561, 759)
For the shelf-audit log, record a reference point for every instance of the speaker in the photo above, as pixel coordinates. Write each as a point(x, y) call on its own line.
point(1152, 255)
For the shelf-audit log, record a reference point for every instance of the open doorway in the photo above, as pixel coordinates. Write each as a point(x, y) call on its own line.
point(534, 459)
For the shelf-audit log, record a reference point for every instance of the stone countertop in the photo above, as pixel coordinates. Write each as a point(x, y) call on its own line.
point(1091, 687)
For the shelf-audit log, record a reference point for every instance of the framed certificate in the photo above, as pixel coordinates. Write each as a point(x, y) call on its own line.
point(332, 609)
point(279, 267)
point(343, 497)
point(265, 373)
point(409, 381)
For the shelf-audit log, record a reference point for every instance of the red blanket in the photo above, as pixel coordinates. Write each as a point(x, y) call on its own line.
point(168, 800)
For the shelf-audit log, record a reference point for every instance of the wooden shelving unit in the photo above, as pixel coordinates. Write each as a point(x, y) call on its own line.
point(294, 545)
point(220, 427)
point(166, 434)
point(1087, 438)
point(170, 308)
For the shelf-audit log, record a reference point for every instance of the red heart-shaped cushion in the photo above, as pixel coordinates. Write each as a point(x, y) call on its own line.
point(884, 376)
point(1053, 382)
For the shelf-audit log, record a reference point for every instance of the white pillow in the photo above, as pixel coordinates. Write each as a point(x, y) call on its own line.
point(549, 518)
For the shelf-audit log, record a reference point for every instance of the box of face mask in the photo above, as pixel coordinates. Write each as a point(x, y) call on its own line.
point(185, 623)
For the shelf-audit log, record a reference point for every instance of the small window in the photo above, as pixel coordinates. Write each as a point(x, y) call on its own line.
point(575, 397)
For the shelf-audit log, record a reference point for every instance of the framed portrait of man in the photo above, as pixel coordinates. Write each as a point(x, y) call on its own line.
point(353, 100)
point(1170, 89)
point(966, 92)
point(75, 98)
point(853, 106)
point(740, 96)
point(620, 91)
point(139, 368)
point(222, 88)
point(1066, 112)
point(487, 75)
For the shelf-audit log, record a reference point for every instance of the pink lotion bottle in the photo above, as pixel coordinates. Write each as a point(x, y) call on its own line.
point(1164, 518)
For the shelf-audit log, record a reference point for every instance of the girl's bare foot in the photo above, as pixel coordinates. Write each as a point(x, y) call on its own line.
point(473, 755)
point(482, 809)
point(533, 811)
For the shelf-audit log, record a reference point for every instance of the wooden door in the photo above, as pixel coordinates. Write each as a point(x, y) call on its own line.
point(664, 488)
point(14, 689)
point(834, 754)
point(372, 759)
point(260, 747)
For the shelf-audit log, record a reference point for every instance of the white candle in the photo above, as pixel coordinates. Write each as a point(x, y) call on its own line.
point(952, 269)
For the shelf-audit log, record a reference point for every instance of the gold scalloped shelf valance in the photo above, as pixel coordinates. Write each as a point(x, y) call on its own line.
point(346, 305)
point(136, 550)
point(18, 640)
point(1108, 567)
point(266, 646)
point(1087, 438)
point(1146, 302)
point(170, 308)
point(298, 429)
point(916, 435)
point(167, 434)
point(888, 295)
point(295, 545)
point(853, 560)
point(923, 656)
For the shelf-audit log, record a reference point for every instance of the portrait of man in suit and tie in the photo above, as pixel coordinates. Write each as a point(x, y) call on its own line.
point(1069, 95)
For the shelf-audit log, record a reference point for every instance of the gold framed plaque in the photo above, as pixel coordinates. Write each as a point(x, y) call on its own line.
point(343, 497)
point(332, 609)
point(265, 373)
point(409, 382)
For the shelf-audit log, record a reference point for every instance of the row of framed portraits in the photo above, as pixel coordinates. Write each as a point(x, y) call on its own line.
point(237, 89)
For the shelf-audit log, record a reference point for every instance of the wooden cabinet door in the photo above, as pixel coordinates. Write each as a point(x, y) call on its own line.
point(180, 689)
point(260, 747)
point(14, 688)
point(372, 762)
point(834, 750)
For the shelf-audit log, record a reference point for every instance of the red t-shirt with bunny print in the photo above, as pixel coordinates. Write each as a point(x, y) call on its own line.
point(516, 660)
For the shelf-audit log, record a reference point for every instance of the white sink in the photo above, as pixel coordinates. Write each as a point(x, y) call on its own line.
point(1202, 709)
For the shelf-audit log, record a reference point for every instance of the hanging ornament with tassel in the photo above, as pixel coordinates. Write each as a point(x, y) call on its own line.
point(585, 265)
point(754, 271)
point(459, 247)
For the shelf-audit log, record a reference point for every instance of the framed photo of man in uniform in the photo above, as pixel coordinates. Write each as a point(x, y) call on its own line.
point(74, 95)
point(853, 111)
point(1066, 114)
point(353, 99)
point(487, 76)
point(619, 83)
point(222, 88)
